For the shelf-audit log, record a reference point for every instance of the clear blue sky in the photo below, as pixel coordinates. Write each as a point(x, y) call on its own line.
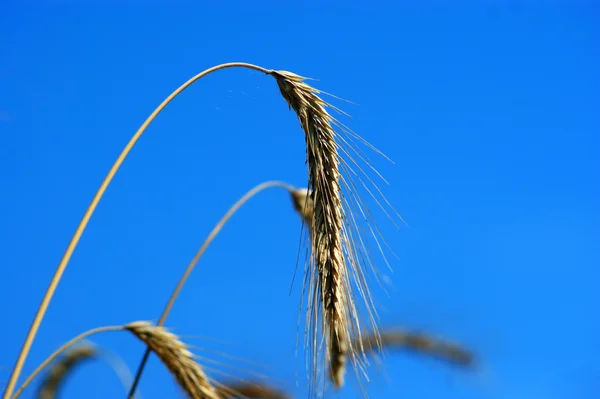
point(489, 112)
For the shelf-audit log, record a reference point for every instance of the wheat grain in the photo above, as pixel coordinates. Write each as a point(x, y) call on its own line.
point(340, 229)
point(58, 373)
point(177, 358)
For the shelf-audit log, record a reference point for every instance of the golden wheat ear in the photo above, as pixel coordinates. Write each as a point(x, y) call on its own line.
point(174, 354)
point(421, 343)
point(328, 277)
point(57, 375)
point(341, 227)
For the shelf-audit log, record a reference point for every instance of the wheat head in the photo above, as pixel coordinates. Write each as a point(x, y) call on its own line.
point(330, 277)
point(251, 390)
point(58, 373)
point(175, 355)
point(423, 343)
point(339, 252)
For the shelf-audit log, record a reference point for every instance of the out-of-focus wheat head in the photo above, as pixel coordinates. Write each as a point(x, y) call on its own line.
point(175, 355)
point(251, 390)
point(337, 221)
point(59, 372)
point(303, 204)
point(421, 343)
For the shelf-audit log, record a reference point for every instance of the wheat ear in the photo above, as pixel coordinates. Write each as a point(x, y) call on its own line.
point(58, 373)
point(421, 343)
point(175, 355)
point(250, 390)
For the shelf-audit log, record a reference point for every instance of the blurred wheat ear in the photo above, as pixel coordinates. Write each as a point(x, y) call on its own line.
point(421, 343)
point(251, 390)
point(175, 355)
point(59, 372)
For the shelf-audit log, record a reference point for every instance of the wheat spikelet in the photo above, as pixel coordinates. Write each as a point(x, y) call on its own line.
point(251, 390)
point(177, 358)
point(58, 373)
point(422, 343)
point(303, 203)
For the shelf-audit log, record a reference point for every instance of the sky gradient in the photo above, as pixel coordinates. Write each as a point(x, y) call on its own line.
point(489, 112)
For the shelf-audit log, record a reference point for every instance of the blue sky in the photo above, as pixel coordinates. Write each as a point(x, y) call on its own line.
point(490, 113)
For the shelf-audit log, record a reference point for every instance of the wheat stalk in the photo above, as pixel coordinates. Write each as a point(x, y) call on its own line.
point(421, 343)
point(170, 350)
point(334, 227)
point(188, 271)
point(58, 373)
point(62, 265)
point(66, 346)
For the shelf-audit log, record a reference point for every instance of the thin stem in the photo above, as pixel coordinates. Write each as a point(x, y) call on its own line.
point(37, 320)
point(60, 350)
point(119, 367)
point(215, 231)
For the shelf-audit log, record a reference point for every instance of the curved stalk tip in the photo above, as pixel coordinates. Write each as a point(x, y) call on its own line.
point(37, 320)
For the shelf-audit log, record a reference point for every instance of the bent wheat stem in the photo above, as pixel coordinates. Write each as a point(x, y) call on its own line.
point(37, 320)
point(215, 231)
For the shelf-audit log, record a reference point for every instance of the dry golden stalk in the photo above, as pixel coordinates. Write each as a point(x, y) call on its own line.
point(62, 265)
point(422, 343)
point(175, 355)
point(66, 346)
point(58, 373)
point(213, 234)
point(251, 390)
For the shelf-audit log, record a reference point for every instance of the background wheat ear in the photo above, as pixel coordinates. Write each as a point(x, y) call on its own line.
point(60, 370)
point(251, 390)
point(421, 343)
point(175, 355)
